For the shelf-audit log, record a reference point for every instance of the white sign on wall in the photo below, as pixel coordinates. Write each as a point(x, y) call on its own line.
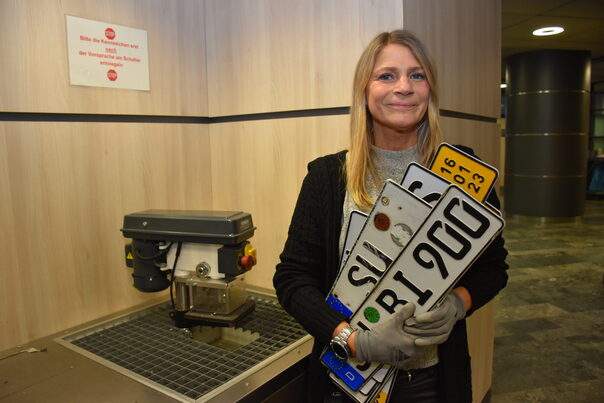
point(107, 55)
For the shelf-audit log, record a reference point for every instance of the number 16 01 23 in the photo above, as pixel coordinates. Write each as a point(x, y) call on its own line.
point(468, 172)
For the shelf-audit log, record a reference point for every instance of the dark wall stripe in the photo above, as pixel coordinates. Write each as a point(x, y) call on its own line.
point(93, 117)
point(467, 116)
point(303, 113)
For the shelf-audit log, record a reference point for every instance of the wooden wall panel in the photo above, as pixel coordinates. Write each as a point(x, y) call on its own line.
point(65, 188)
point(278, 55)
point(481, 334)
point(464, 38)
point(35, 71)
point(258, 167)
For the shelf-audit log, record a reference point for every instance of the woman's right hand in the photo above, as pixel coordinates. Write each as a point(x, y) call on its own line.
point(387, 343)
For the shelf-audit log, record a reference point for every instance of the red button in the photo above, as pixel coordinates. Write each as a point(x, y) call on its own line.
point(246, 262)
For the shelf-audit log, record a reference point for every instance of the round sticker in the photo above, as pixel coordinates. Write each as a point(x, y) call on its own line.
point(372, 314)
point(400, 234)
point(112, 75)
point(381, 221)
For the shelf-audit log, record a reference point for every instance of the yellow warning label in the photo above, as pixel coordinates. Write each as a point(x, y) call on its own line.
point(129, 256)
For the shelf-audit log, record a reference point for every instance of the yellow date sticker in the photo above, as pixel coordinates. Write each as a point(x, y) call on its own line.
point(469, 173)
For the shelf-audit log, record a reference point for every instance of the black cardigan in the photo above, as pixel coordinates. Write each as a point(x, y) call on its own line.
point(309, 266)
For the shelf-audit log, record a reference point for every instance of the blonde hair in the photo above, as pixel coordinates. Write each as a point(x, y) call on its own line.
point(359, 163)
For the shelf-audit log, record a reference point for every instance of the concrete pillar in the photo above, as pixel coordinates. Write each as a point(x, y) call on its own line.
point(547, 126)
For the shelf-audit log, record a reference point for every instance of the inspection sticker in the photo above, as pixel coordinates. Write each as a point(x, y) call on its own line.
point(471, 174)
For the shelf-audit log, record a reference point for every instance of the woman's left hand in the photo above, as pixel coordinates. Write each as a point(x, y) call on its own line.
point(435, 326)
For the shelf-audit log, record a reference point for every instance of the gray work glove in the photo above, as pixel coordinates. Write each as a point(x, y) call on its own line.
point(387, 343)
point(434, 327)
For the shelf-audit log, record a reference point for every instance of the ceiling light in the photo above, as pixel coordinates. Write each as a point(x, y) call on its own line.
point(548, 31)
point(504, 85)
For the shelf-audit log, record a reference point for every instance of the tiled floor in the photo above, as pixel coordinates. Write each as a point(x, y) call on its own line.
point(549, 335)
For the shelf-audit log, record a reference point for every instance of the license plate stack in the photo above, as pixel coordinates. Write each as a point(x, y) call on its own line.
point(413, 246)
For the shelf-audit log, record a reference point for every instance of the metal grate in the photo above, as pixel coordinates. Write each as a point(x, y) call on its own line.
point(147, 344)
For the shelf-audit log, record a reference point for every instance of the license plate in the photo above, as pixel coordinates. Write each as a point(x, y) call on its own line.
point(424, 183)
point(352, 373)
point(395, 216)
point(355, 225)
point(471, 174)
point(375, 390)
point(454, 234)
point(347, 370)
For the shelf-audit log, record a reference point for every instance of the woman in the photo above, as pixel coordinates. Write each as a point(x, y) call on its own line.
point(394, 121)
